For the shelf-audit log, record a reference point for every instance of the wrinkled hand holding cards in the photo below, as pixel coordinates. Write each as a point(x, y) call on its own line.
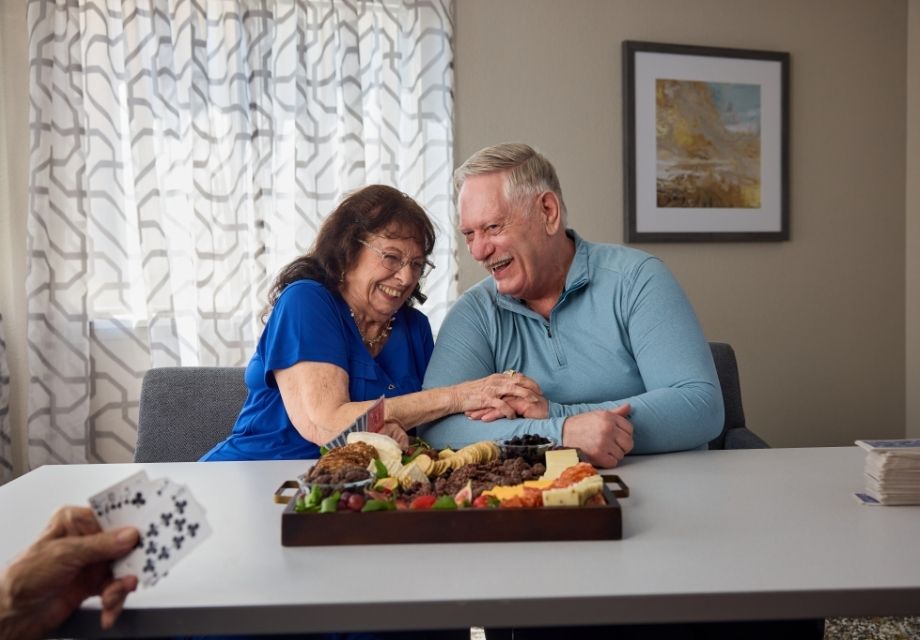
point(170, 521)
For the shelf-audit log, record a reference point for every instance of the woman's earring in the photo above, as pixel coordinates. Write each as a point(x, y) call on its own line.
point(342, 278)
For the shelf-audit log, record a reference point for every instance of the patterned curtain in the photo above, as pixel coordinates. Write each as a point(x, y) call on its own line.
point(6, 443)
point(182, 152)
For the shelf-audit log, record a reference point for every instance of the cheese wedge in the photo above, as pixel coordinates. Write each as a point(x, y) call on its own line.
point(575, 495)
point(393, 467)
point(411, 474)
point(558, 461)
point(588, 487)
point(504, 493)
point(565, 497)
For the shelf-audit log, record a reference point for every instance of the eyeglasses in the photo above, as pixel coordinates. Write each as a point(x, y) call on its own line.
point(395, 262)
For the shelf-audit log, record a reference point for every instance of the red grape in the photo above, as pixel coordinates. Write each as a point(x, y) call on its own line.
point(356, 502)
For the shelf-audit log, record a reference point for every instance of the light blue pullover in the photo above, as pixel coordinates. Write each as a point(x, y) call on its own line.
point(621, 332)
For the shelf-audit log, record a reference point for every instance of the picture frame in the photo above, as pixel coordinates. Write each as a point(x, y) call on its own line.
point(706, 143)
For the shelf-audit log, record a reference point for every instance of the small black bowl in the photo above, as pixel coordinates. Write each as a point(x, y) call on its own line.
point(531, 453)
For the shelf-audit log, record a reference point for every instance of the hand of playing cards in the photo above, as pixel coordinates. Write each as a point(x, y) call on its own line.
point(371, 420)
point(170, 521)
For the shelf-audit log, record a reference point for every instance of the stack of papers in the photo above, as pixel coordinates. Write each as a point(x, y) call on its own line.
point(892, 472)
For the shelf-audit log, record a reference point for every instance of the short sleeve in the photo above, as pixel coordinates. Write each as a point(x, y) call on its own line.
point(305, 325)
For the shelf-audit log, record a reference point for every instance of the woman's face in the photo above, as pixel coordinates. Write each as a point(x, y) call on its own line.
point(374, 290)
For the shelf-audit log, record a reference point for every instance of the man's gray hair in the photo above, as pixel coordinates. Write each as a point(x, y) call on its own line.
point(529, 172)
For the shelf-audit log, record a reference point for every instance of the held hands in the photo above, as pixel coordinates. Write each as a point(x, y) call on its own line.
point(502, 395)
point(68, 563)
point(604, 436)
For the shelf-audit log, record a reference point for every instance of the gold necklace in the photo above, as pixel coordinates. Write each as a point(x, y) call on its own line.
point(370, 342)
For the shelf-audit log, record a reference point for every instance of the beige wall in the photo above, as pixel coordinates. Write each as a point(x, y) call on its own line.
point(14, 165)
point(818, 322)
point(913, 222)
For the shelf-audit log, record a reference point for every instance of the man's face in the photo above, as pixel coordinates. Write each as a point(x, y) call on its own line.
point(508, 243)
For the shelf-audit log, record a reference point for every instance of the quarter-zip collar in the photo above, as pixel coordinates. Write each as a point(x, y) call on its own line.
point(576, 278)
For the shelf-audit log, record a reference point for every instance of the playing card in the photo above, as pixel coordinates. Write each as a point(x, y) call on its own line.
point(375, 416)
point(143, 561)
point(175, 525)
point(171, 523)
point(864, 498)
point(165, 487)
point(888, 445)
point(188, 525)
point(108, 503)
point(370, 420)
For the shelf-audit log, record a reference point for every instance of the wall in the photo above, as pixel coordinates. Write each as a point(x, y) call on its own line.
point(912, 386)
point(14, 166)
point(818, 322)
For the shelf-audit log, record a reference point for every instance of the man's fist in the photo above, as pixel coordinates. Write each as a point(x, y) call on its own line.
point(604, 436)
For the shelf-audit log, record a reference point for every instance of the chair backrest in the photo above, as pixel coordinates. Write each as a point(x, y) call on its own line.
point(184, 411)
point(727, 368)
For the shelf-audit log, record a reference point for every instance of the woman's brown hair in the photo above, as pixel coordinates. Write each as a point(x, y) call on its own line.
point(364, 212)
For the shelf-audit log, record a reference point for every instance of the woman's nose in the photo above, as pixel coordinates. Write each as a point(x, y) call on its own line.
point(405, 273)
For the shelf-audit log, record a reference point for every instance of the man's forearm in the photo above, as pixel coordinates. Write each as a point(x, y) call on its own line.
point(670, 419)
point(458, 430)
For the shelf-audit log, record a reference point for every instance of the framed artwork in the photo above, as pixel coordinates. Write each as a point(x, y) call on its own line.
point(706, 143)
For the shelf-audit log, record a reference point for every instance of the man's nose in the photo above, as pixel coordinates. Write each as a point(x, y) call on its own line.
point(480, 248)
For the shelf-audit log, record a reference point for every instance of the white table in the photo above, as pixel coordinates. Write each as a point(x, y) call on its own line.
point(708, 535)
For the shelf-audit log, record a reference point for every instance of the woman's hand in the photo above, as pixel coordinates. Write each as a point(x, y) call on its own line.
point(501, 395)
point(536, 408)
point(393, 429)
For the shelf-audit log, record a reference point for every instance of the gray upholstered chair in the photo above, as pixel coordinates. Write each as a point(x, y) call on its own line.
point(184, 411)
point(735, 434)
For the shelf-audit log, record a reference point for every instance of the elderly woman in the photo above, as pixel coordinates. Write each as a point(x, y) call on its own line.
point(342, 332)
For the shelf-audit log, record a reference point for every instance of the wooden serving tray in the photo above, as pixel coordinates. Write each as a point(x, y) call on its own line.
point(597, 522)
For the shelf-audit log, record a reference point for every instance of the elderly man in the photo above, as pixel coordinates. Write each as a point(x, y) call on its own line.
point(605, 330)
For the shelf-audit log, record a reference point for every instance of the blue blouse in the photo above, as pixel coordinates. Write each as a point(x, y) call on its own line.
point(311, 323)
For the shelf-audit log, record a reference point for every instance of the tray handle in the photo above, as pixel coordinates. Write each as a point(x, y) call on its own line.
point(623, 491)
point(281, 497)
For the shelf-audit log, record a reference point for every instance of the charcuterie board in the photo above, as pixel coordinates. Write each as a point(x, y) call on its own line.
point(589, 522)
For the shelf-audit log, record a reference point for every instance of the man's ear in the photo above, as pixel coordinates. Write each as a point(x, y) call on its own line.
point(551, 212)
